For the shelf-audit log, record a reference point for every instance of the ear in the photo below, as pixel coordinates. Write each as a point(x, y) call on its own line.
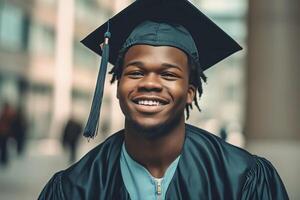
point(190, 94)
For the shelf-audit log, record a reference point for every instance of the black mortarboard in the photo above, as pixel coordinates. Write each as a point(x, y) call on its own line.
point(160, 23)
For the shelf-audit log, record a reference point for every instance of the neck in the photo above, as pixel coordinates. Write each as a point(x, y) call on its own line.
point(155, 154)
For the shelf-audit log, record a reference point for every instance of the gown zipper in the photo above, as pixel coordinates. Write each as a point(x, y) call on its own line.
point(158, 188)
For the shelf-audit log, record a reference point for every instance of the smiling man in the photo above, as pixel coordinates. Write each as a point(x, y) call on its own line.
point(159, 49)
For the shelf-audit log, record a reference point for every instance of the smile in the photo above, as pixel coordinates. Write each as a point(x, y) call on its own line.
point(149, 104)
point(150, 101)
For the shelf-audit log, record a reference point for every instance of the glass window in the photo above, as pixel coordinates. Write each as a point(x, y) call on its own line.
point(42, 39)
point(84, 57)
point(89, 10)
point(236, 8)
point(11, 27)
point(49, 2)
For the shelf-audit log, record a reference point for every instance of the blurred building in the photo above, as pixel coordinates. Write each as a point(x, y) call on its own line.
point(14, 44)
point(29, 34)
point(223, 100)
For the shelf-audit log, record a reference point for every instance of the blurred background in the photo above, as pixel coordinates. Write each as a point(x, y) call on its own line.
point(47, 80)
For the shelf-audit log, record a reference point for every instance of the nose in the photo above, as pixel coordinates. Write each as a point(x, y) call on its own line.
point(150, 83)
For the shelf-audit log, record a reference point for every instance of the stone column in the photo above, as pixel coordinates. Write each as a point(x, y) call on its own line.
point(62, 89)
point(273, 93)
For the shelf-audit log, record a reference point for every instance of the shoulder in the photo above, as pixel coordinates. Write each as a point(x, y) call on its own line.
point(101, 156)
point(218, 148)
point(92, 171)
point(251, 174)
point(218, 158)
point(53, 189)
point(263, 182)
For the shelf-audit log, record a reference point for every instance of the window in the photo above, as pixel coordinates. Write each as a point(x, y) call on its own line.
point(12, 27)
point(42, 39)
point(84, 57)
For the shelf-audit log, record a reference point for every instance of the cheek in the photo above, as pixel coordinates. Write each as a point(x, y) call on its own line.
point(124, 89)
point(121, 97)
point(179, 91)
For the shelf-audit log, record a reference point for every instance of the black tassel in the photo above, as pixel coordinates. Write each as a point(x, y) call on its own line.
point(91, 127)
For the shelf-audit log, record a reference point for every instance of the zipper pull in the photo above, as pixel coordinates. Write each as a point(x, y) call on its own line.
point(158, 188)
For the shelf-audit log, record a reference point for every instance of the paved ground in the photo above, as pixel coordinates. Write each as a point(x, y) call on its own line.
point(25, 177)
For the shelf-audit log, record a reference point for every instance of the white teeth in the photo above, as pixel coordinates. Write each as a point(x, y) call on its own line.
point(148, 102)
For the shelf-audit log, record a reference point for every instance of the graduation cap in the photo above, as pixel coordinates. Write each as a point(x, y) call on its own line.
point(175, 23)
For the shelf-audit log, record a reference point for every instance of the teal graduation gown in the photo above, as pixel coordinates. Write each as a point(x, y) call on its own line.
point(209, 168)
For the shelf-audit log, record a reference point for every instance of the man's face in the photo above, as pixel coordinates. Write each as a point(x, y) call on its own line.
point(154, 88)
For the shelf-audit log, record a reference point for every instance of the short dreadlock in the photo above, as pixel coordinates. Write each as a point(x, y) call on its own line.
point(196, 77)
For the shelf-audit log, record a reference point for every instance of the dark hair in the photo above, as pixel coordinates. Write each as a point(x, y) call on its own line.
point(195, 78)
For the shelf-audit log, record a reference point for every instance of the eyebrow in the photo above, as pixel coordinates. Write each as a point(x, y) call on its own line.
point(141, 65)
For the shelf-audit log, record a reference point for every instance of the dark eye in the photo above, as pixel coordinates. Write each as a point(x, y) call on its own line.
point(169, 76)
point(135, 74)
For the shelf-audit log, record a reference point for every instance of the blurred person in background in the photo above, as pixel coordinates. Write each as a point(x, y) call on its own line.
point(19, 130)
point(7, 117)
point(223, 133)
point(159, 50)
point(70, 137)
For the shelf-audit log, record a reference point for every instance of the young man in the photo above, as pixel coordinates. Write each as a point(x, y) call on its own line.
point(160, 49)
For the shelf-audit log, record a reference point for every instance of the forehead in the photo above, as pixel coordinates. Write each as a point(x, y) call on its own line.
point(149, 54)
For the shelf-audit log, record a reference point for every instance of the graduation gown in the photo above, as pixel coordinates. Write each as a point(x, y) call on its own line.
point(209, 168)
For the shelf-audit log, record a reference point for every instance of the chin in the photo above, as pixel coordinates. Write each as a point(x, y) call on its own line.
point(147, 124)
point(151, 132)
point(152, 128)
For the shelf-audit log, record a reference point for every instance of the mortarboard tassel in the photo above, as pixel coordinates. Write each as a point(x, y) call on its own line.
point(91, 127)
